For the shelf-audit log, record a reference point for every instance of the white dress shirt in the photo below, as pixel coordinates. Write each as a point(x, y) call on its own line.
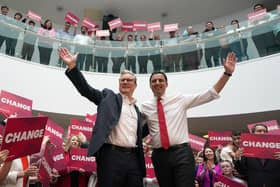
point(175, 110)
point(125, 132)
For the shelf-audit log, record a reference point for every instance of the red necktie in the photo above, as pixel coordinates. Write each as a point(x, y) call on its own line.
point(162, 126)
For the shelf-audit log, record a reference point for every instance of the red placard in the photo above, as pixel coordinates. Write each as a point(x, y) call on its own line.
point(88, 23)
point(77, 126)
point(23, 136)
point(91, 118)
point(34, 16)
point(272, 126)
point(55, 133)
point(219, 138)
point(197, 143)
point(115, 23)
point(150, 172)
point(72, 18)
point(260, 145)
point(59, 159)
point(139, 25)
point(127, 27)
point(46, 166)
point(171, 27)
point(227, 182)
point(79, 160)
point(100, 33)
point(255, 16)
point(156, 26)
point(15, 104)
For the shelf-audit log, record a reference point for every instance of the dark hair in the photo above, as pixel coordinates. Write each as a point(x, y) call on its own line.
point(45, 24)
point(18, 14)
point(4, 6)
point(259, 124)
point(31, 22)
point(210, 22)
point(256, 5)
point(67, 22)
point(236, 133)
point(84, 27)
point(158, 72)
point(130, 35)
point(204, 156)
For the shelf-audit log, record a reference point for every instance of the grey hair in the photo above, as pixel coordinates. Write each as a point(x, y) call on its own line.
point(129, 72)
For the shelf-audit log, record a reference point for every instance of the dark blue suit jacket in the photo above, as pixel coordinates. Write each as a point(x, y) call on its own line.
point(108, 114)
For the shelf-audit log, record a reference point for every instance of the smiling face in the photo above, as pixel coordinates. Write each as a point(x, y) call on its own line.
point(209, 154)
point(226, 168)
point(75, 143)
point(127, 84)
point(158, 84)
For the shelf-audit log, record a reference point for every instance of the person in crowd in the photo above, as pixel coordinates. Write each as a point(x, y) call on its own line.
point(66, 36)
point(208, 170)
point(172, 58)
point(117, 135)
point(227, 169)
point(131, 57)
point(29, 41)
point(192, 57)
point(71, 178)
point(83, 47)
point(118, 56)
point(46, 33)
point(143, 57)
point(101, 55)
point(155, 55)
point(212, 47)
point(168, 127)
point(4, 14)
point(259, 172)
point(228, 151)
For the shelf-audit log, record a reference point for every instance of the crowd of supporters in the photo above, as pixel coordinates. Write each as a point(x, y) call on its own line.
point(180, 52)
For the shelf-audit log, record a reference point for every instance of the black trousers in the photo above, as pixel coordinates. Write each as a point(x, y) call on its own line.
point(117, 168)
point(45, 55)
point(174, 167)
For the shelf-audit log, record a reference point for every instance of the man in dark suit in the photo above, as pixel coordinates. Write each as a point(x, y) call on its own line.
point(259, 172)
point(117, 136)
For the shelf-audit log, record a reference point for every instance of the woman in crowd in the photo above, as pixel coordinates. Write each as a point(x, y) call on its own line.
point(206, 172)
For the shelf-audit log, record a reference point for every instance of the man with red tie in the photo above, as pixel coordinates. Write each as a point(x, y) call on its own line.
point(172, 156)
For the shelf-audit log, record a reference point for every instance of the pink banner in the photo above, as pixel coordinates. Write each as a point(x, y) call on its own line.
point(150, 172)
point(260, 145)
point(171, 27)
point(11, 104)
point(115, 23)
point(89, 23)
point(59, 159)
point(219, 138)
point(156, 26)
point(79, 160)
point(34, 16)
point(227, 182)
point(46, 166)
point(127, 27)
point(91, 118)
point(72, 18)
point(272, 126)
point(255, 16)
point(23, 136)
point(55, 133)
point(77, 126)
point(100, 33)
point(196, 143)
point(139, 25)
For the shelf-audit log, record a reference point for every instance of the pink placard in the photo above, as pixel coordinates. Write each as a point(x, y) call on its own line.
point(156, 26)
point(255, 16)
point(127, 27)
point(91, 118)
point(79, 160)
point(115, 23)
point(77, 126)
point(72, 18)
point(227, 182)
point(219, 138)
point(59, 159)
point(171, 27)
point(46, 166)
point(55, 133)
point(139, 25)
point(150, 172)
point(100, 33)
point(11, 104)
point(260, 145)
point(34, 16)
point(23, 136)
point(196, 143)
point(272, 126)
point(88, 23)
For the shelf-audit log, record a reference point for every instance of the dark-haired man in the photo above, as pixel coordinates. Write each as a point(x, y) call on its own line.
point(172, 156)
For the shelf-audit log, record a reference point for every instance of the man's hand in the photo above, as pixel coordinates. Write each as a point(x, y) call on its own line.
point(67, 57)
point(3, 155)
point(229, 63)
point(238, 154)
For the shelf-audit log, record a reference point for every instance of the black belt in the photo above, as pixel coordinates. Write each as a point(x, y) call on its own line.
point(173, 147)
point(121, 149)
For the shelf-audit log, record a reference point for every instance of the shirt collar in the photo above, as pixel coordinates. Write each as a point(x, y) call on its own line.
point(126, 100)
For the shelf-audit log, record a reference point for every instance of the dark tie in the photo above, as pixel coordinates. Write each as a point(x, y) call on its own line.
point(162, 125)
